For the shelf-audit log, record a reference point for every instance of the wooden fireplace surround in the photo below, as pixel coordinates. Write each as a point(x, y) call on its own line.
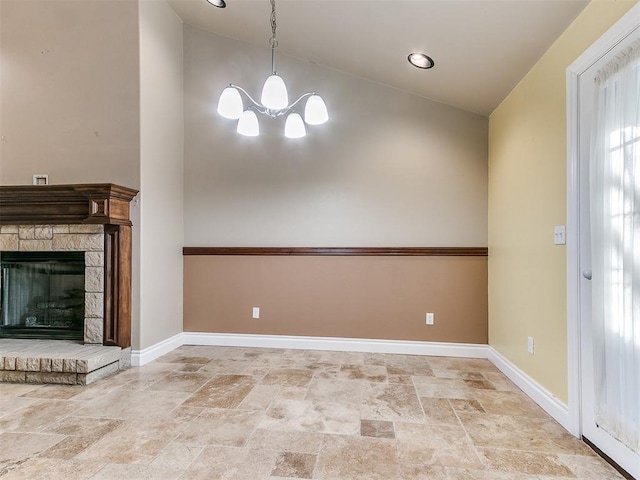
point(104, 204)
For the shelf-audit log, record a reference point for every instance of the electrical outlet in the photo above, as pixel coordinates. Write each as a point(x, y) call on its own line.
point(530, 346)
point(256, 312)
point(429, 318)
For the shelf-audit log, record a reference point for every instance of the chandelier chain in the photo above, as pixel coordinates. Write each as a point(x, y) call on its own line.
point(273, 41)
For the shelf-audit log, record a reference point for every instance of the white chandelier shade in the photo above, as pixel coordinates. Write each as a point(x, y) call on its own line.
point(315, 111)
point(230, 104)
point(294, 126)
point(274, 93)
point(274, 101)
point(248, 124)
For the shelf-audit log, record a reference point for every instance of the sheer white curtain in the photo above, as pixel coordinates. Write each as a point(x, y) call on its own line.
point(615, 251)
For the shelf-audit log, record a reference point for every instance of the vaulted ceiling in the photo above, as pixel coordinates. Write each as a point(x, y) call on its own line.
point(481, 48)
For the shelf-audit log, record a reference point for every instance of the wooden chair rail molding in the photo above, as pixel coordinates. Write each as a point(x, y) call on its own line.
point(338, 251)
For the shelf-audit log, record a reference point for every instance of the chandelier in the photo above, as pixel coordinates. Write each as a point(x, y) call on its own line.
point(274, 101)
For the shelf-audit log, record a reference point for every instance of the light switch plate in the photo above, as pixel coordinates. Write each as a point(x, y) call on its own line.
point(41, 179)
point(559, 235)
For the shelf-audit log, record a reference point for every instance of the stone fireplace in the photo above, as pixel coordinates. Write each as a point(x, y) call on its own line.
point(88, 222)
point(87, 240)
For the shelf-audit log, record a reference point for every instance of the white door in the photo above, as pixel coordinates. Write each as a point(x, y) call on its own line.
point(598, 371)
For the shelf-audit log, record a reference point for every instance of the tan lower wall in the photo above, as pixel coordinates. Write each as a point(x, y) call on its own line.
point(350, 297)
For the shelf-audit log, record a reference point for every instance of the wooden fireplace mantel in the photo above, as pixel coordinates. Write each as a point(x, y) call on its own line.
point(96, 203)
point(100, 203)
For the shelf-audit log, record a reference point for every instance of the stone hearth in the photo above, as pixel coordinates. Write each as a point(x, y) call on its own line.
point(58, 361)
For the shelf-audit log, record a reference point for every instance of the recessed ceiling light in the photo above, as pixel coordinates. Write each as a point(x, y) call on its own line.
point(421, 60)
point(217, 3)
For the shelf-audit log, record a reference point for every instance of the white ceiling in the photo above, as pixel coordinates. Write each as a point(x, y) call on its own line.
point(481, 48)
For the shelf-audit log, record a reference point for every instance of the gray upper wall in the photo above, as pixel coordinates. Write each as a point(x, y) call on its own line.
point(388, 169)
point(69, 92)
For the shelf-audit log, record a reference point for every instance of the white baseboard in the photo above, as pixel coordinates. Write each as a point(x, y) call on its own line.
point(146, 355)
point(468, 350)
point(547, 401)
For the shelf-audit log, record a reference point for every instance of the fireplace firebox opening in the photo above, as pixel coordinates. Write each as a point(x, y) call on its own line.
point(42, 295)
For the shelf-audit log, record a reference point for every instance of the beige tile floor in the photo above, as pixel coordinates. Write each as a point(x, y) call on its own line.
point(251, 414)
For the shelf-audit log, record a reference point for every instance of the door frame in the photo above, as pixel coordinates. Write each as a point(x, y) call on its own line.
point(612, 37)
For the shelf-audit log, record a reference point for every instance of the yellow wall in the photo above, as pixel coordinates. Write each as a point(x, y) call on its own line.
point(527, 198)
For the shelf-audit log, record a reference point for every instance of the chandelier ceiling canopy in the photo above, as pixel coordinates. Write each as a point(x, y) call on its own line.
point(274, 101)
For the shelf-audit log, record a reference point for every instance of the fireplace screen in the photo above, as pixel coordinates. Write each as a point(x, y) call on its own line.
point(42, 295)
